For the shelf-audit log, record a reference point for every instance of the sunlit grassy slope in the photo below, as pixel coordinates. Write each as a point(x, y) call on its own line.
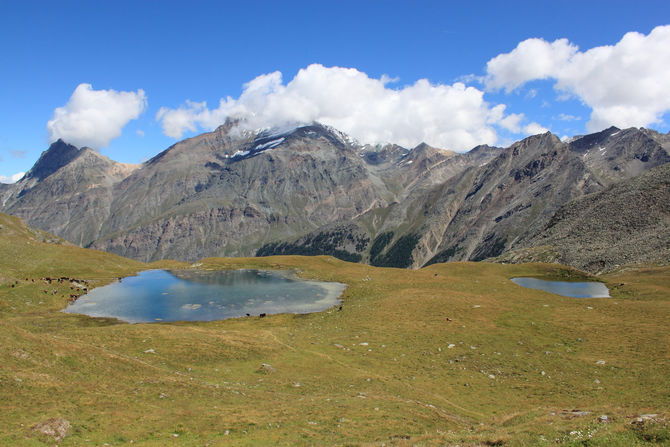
point(453, 354)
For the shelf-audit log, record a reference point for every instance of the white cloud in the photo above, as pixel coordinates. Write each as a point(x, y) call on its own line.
point(624, 84)
point(95, 117)
point(512, 122)
point(449, 116)
point(531, 59)
point(532, 93)
point(470, 78)
point(140, 132)
point(565, 117)
point(12, 178)
point(387, 79)
point(534, 129)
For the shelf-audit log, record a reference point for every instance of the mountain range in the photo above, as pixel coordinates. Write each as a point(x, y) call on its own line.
point(595, 201)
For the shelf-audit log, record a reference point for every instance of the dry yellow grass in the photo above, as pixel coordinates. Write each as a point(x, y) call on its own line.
point(450, 354)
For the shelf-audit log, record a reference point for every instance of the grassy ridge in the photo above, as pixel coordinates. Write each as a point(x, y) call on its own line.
point(382, 370)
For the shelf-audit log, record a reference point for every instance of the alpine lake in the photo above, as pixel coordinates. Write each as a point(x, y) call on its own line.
point(586, 289)
point(206, 295)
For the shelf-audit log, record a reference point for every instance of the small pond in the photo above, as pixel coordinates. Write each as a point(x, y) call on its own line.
point(590, 289)
point(199, 295)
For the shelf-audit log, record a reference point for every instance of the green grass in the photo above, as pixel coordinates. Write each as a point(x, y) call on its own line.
point(379, 371)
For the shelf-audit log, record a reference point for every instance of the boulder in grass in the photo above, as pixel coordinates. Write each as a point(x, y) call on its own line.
point(56, 428)
point(266, 369)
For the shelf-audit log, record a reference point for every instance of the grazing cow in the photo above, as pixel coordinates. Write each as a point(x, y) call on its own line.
point(262, 315)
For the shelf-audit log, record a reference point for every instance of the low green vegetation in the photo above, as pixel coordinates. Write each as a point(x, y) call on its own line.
point(490, 248)
point(452, 354)
point(379, 244)
point(329, 243)
point(399, 254)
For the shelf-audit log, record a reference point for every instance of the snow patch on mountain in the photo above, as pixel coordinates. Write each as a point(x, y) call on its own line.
point(270, 144)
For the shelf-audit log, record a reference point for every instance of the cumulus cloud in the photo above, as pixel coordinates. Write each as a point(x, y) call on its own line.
point(512, 122)
point(452, 116)
point(531, 59)
point(625, 84)
point(95, 117)
point(12, 178)
point(534, 129)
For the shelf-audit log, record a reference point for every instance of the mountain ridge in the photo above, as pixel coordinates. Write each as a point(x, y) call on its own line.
point(311, 189)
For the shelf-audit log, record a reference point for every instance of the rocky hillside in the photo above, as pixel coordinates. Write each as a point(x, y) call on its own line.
point(485, 209)
point(68, 192)
point(313, 190)
point(626, 223)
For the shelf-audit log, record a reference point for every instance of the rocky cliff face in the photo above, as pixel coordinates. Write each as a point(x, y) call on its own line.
point(313, 190)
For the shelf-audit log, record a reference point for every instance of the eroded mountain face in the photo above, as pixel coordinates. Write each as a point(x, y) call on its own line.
point(488, 202)
point(313, 190)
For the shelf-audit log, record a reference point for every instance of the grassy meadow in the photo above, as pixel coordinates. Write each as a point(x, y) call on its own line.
point(452, 354)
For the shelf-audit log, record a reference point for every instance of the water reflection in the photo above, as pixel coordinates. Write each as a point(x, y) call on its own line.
point(159, 295)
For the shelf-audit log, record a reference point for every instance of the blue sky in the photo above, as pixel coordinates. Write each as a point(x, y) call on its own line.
point(208, 50)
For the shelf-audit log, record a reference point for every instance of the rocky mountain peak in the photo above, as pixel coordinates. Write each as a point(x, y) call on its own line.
point(483, 151)
point(540, 139)
point(382, 155)
point(58, 155)
point(586, 142)
point(531, 147)
point(423, 147)
point(429, 150)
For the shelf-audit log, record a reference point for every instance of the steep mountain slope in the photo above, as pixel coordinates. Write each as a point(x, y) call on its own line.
point(481, 210)
point(512, 196)
point(411, 176)
point(215, 196)
point(627, 223)
point(68, 192)
point(313, 190)
point(221, 193)
point(616, 154)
